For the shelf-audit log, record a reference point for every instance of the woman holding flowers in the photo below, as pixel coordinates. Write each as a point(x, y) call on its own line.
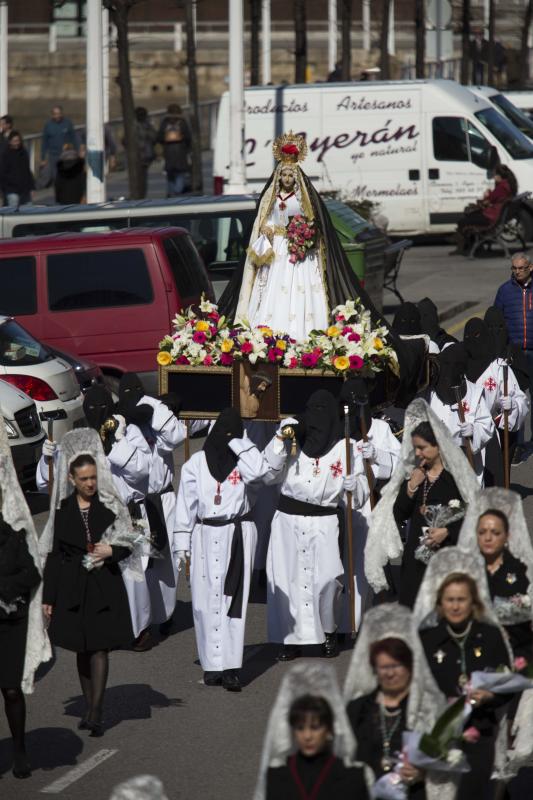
point(84, 598)
point(296, 270)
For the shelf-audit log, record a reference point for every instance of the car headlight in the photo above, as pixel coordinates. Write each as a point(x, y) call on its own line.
point(10, 430)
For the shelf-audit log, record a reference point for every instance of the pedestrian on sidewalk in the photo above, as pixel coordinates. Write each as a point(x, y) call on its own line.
point(57, 132)
point(175, 136)
point(16, 178)
point(515, 299)
point(71, 179)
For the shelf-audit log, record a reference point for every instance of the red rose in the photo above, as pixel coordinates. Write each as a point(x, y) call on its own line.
point(290, 149)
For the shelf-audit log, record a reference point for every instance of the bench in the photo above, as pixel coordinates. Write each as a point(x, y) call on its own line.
point(393, 259)
point(506, 231)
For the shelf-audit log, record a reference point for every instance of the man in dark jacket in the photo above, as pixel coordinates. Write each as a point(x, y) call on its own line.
point(515, 299)
point(57, 132)
point(16, 178)
point(175, 136)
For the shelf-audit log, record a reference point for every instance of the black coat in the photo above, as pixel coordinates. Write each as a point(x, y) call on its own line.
point(15, 173)
point(363, 714)
point(71, 180)
point(18, 573)
point(408, 508)
point(509, 580)
point(341, 783)
point(90, 609)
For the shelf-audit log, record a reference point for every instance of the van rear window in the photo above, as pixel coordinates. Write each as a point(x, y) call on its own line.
point(187, 266)
point(98, 279)
point(19, 292)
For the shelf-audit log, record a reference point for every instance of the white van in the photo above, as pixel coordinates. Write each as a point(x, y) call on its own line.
point(422, 150)
point(507, 107)
point(24, 431)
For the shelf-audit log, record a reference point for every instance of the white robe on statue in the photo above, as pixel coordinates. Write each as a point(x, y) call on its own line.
point(219, 638)
point(287, 297)
point(304, 568)
point(388, 450)
point(477, 413)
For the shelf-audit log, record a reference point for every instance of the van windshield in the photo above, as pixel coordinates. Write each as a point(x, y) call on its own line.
point(517, 117)
point(517, 145)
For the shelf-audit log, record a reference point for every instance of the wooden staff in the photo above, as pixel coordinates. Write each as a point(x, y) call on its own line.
point(368, 468)
point(461, 412)
point(349, 523)
point(506, 464)
point(187, 455)
point(50, 435)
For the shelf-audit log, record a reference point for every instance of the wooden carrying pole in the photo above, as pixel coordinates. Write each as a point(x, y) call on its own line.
point(50, 435)
point(506, 464)
point(461, 412)
point(349, 524)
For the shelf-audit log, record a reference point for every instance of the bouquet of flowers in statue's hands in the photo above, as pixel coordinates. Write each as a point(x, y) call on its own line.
point(437, 516)
point(301, 238)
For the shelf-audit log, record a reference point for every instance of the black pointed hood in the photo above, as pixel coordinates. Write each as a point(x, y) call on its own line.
point(221, 460)
point(495, 322)
point(321, 422)
point(452, 363)
point(479, 346)
point(406, 321)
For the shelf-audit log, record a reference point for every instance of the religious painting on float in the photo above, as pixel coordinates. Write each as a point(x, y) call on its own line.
point(256, 391)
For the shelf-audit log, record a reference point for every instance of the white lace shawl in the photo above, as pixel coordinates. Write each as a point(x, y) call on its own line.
point(16, 513)
point(86, 441)
point(306, 677)
point(383, 542)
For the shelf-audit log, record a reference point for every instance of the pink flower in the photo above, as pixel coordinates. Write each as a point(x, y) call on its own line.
point(293, 259)
point(182, 360)
point(293, 363)
point(213, 331)
point(356, 362)
point(339, 317)
point(354, 337)
point(520, 663)
point(246, 347)
point(272, 353)
point(309, 360)
point(346, 330)
point(308, 234)
point(226, 359)
point(208, 361)
point(317, 352)
point(199, 337)
point(213, 315)
point(471, 735)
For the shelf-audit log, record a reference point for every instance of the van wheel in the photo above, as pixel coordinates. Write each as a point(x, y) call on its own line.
point(112, 383)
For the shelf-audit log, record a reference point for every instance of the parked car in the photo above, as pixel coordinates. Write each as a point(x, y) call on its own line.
point(24, 431)
point(87, 372)
point(220, 226)
point(109, 297)
point(48, 380)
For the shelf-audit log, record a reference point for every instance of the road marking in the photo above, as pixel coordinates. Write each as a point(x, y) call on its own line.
point(459, 325)
point(78, 772)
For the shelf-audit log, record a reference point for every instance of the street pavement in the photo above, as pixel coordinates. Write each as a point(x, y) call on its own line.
point(204, 743)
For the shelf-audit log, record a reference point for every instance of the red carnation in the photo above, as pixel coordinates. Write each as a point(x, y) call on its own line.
point(290, 149)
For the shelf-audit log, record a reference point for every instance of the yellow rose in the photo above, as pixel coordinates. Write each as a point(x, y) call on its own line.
point(333, 331)
point(226, 345)
point(281, 344)
point(164, 358)
point(341, 362)
point(378, 344)
point(202, 325)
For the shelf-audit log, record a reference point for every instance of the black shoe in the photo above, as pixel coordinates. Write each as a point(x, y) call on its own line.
point(230, 680)
point(213, 678)
point(289, 652)
point(166, 627)
point(330, 648)
point(96, 729)
point(21, 768)
point(143, 641)
point(83, 725)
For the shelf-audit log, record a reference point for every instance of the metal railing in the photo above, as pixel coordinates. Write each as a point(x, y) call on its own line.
point(208, 122)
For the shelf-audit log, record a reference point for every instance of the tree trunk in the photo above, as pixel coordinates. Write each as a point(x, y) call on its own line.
point(465, 59)
point(300, 41)
point(490, 59)
point(119, 16)
point(255, 22)
point(346, 39)
point(524, 50)
point(196, 134)
point(420, 34)
point(384, 42)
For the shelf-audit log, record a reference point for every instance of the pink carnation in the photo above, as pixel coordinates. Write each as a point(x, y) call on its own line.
point(520, 663)
point(246, 347)
point(226, 359)
point(293, 363)
point(213, 331)
point(272, 353)
point(199, 337)
point(208, 361)
point(471, 735)
point(339, 317)
point(213, 315)
point(309, 360)
point(182, 360)
point(356, 362)
point(354, 337)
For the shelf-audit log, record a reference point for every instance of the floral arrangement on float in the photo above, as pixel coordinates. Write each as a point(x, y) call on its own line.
point(203, 337)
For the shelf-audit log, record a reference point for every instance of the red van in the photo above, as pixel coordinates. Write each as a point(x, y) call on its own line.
point(108, 296)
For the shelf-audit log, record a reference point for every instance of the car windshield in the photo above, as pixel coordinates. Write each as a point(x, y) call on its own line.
point(18, 348)
point(517, 145)
point(517, 117)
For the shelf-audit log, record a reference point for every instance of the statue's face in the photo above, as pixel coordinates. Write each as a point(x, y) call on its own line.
point(287, 179)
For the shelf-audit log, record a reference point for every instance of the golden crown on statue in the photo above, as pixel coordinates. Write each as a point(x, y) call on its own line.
point(289, 148)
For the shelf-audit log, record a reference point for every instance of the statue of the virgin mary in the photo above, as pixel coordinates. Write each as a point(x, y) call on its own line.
point(287, 286)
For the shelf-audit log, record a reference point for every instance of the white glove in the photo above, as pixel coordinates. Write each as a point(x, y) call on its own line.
point(369, 451)
point(181, 558)
point(49, 448)
point(349, 483)
point(285, 423)
point(120, 432)
point(467, 430)
point(507, 403)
